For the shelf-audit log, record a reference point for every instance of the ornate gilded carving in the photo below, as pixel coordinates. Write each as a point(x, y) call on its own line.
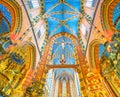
point(110, 62)
point(13, 70)
point(36, 89)
point(110, 57)
point(4, 43)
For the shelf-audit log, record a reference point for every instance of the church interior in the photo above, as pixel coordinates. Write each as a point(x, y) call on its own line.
point(59, 48)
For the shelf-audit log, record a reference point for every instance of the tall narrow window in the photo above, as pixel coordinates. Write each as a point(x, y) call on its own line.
point(39, 34)
point(34, 3)
point(116, 16)
point(42, 29)
point(90, 3)
point(5, 19)
point(83, 29)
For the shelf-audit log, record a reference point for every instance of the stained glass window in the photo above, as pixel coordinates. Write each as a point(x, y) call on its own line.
point(6, 13)
point(101, 49)
point(116, 17)
point(34, 3)
point(6, 19)
point(91, 3)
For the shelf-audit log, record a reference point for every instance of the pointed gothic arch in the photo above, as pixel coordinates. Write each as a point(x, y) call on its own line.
point(16, 14)
point(43, 69)
point(94, 54)
point(107, 11)
point(43, 63)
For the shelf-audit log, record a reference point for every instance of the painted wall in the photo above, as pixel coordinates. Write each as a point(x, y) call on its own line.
point(26, 33)
point(96, 29)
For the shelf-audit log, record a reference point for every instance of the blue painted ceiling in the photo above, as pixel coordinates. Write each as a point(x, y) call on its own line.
point(62, 16)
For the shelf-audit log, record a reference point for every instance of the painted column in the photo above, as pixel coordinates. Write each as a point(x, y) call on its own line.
point(77, 84)
point(56, 88)
point(68, 89)
point(75, 91)
point(53, 93)
point(53, 88)
point(64, 88)
point(71, 89)
point(60, 90)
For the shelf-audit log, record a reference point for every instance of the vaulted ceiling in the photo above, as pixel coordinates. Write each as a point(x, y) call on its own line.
point(62, 16)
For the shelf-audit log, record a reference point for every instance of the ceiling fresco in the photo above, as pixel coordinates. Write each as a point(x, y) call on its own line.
point(62, 16)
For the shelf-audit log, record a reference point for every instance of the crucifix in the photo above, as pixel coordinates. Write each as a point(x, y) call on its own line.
point(63, 43)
